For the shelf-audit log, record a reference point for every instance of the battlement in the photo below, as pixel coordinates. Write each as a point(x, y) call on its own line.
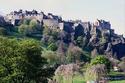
point(18, 15)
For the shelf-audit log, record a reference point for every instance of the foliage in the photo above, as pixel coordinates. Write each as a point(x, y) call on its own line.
point(33, 25)
point(52, 47)
point(52, 34)
point(23, 29)
point(51, 57)
point(3, 31)
point(73, 53)
point(81, 41)
point(95, 72)
point(100, 59)
point(65, 73)
point(26, 21)
point(21, 61)
point(122, 66)
point(28, 27)
point(76, 54)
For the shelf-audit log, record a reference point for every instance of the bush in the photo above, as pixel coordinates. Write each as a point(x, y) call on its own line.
point(95, 72)
point(52, 47)
point(51, 57)
point(122, 66)
point(3, 31)
point(23, 29)
point(101, 60)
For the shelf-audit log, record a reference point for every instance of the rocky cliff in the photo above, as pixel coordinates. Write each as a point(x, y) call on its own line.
point(94, 37)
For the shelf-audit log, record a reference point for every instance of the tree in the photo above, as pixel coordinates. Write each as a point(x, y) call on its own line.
point(32, 51)
point(21, 62)
point(81, 41)
point(26, 21)
point(122, 64)
point(73, 53)
point(65, 73)
point(10, 62)
point(100, 59)
point(61, 52)
point(23, 29)
point(94, 52)
point(51, 57)
point(33, 25)
point(52, 47)
point(28, 27)
point(95, 72)
point(51, 32)
point(3, 31)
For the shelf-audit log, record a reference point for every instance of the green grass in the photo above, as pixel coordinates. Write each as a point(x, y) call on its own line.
point(78, 79)
point(121, 81)
point(112, 73)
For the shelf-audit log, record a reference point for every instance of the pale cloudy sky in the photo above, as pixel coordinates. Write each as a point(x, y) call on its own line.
point(86, 10)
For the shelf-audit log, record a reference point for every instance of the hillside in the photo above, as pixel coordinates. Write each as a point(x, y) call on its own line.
point(98, 35)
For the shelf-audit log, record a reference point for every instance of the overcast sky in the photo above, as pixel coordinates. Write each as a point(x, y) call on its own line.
point(86, 10)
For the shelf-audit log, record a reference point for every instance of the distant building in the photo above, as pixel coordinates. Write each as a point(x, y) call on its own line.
point(51, 23)
point(61, 25)
point(49, 20)
point(54, 21)
point(16, 16)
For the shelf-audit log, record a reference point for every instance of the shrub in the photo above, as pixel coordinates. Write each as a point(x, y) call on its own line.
point(101, 60)
point(3, 31)
point(95, 72)
point(122, 66)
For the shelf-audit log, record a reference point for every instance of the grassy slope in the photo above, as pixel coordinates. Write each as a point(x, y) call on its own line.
point(80, 79)
point(121, 81)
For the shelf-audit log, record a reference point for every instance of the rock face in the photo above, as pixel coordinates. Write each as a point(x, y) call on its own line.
point(7, 26)
point(119, 50)
point(2, 21)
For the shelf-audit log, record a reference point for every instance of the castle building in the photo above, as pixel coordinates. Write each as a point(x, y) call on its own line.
point(16, 16)
point(54, 21)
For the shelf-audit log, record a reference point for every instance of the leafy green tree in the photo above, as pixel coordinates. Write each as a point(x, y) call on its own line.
point(26, 21)
point(33, 25)
point(52, 47)
point(21, 62)
point(23, 29)
point(80, 41)
point(10, 61)
point(32, 51)
point(100, 59)
point(95, 72)
point(28, 27)
point(73, 53)
point(122, 64)
point(48, 38)
point(51, 57)
point(3, 31)
point(55, 33)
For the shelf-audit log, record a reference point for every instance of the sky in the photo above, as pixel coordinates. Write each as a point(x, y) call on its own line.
point(85, 10)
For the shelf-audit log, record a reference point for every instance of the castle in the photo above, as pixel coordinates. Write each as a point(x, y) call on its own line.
point(53, 21)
